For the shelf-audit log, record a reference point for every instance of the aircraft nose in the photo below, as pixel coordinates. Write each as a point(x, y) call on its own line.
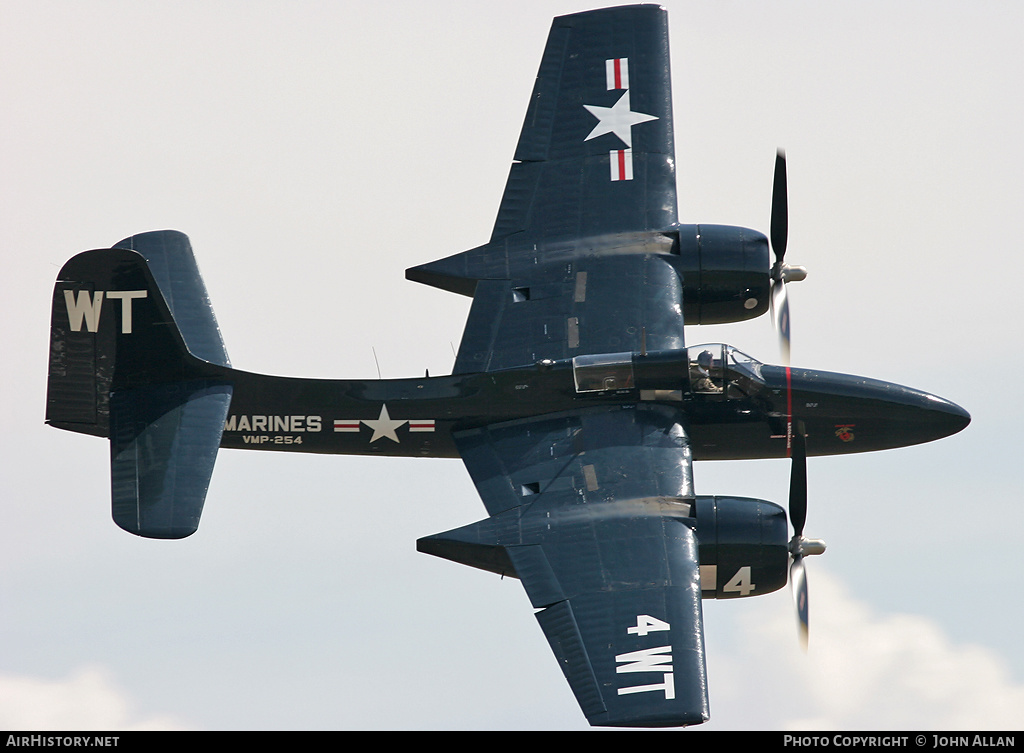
point(947, 417)
point(867, 414)
point(922, 417)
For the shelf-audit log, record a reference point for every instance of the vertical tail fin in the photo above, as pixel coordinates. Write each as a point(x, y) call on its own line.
point(136, 356)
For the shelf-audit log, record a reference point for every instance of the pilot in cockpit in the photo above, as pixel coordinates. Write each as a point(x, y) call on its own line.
point(700, 373)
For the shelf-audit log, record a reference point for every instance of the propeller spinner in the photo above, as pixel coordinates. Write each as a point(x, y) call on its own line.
point(800, 547)
point(781, 272)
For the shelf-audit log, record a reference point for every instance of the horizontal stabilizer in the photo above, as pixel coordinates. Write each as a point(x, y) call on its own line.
point(163, 444)
point(169, 256)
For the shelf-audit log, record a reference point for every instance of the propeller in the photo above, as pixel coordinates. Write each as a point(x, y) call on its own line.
point(781, 272)
point(800, 547)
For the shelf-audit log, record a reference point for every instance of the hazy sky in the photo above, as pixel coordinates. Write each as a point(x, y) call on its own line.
point(315, 150)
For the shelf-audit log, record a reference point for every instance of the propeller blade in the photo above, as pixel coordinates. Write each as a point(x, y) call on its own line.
point(799, 547)
point(798, 582)
point(780, 317)
point(798, 480)
point(780, 208)
point(781, 273)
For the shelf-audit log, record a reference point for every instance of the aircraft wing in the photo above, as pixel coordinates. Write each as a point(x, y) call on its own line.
point(592, 509)
point(579, 261)
point(593, 512)
point(596, 153)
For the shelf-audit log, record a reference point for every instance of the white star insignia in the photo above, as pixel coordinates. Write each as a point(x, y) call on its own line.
point(617, 119)
point(383, 425)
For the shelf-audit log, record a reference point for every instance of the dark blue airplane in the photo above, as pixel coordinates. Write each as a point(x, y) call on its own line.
point(574, 402)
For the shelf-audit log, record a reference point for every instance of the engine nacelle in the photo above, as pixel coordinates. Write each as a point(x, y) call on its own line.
point(726, 273)
point(744, 547)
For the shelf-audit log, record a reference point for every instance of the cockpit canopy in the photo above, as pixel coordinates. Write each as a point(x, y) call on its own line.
point(716, 368)
point(704, 371)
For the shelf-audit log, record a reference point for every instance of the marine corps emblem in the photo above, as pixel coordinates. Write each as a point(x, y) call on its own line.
point(844, 433)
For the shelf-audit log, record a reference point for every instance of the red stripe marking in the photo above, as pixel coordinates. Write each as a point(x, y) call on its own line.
point(622, 164)
point(618, 73)
point(789, 413)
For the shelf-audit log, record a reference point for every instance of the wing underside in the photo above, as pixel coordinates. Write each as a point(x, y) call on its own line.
point(564, 312)
point(593, 511)
point(596, 153)
point(580, 260)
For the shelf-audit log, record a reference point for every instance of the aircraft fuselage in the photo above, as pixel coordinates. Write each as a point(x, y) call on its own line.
point(749, 414)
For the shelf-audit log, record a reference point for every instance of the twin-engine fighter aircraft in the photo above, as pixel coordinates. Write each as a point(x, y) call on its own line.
point(574, 402)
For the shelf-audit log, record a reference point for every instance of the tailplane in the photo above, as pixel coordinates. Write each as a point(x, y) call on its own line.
point(136, 356)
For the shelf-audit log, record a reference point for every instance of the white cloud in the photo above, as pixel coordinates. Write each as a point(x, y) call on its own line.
point(85, 700)
point(863, 670)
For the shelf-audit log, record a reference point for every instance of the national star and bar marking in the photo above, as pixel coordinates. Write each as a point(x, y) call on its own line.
point(384, 425)
point(618, 119)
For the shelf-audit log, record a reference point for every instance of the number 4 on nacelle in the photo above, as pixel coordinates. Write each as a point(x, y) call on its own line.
point(574, 401)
